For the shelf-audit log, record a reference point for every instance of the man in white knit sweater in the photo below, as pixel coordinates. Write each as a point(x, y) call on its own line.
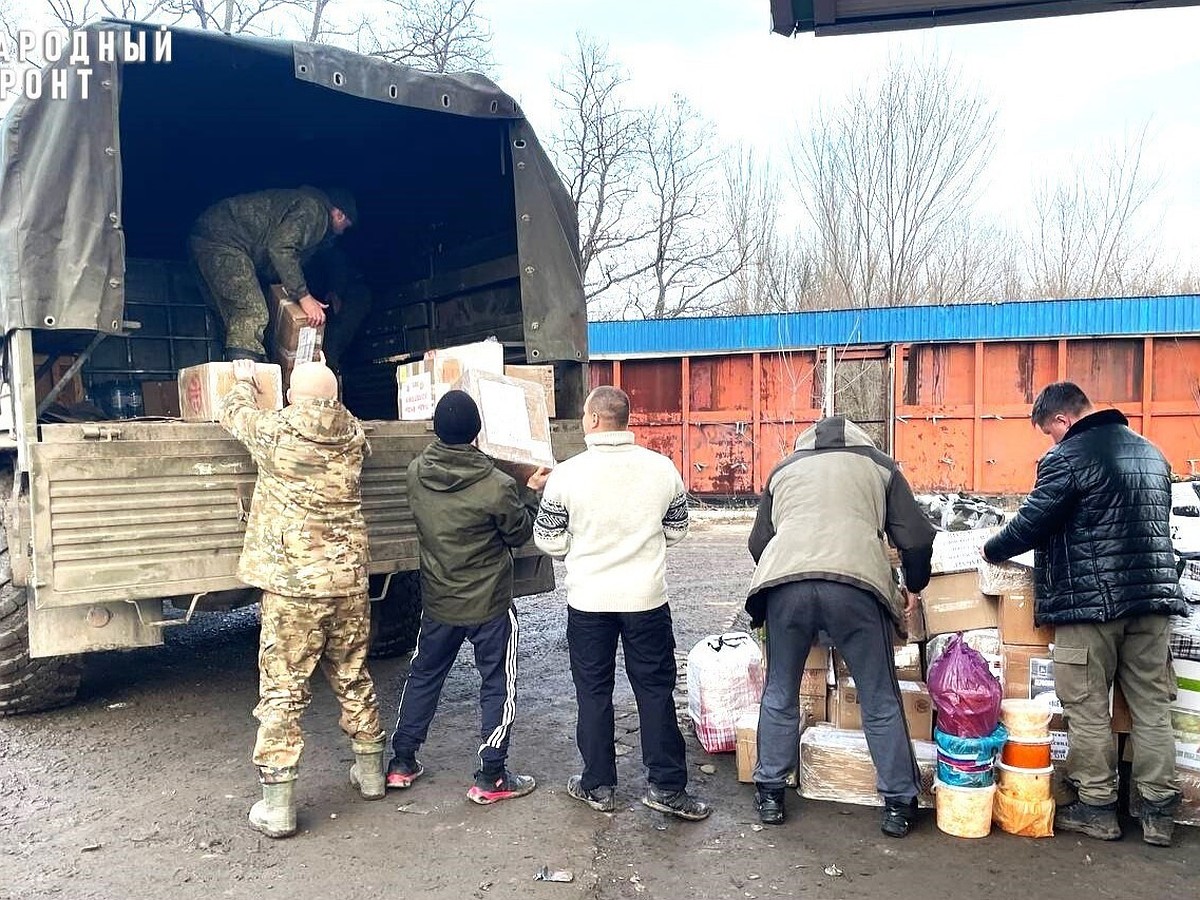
point(610, 513)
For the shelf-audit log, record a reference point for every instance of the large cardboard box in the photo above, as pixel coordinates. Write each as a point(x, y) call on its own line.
point(954, 603)
point(918, 708)
point(293, 340)
point(421, 384)
point(541, 375)
point(515, 428)
point(1016, 622)
point(160, 398)
point(202, 388)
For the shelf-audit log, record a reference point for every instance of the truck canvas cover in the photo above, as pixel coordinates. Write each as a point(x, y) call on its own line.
point(62, 167)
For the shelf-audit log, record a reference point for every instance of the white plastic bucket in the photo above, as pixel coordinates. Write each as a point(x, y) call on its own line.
point(1024, 784)
point(964, 812)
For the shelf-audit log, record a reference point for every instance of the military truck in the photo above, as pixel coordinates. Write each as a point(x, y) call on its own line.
point(118, 528)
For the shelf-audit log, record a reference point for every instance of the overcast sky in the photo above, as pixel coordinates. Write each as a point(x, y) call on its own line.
point(1061, 86)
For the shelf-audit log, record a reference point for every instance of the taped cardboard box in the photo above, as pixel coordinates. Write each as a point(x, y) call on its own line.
point(515, 428)
point(203, 387)
point(835, 765)
point(1016, 622)
point(954, 603)
point(918, 708)
point(293, 340)
point(541, 375)
point(421, 384)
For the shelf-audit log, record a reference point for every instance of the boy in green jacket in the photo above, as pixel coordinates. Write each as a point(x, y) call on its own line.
point(470, 516)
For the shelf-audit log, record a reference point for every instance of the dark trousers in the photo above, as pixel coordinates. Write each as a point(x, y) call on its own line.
point(860, 628)
point(495, 644)
point(648, 640)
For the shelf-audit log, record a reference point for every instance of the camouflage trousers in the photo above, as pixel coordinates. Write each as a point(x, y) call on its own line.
point(230, 286)
point(297, 634)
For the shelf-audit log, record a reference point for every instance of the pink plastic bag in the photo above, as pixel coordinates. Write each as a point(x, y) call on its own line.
point(965, 692)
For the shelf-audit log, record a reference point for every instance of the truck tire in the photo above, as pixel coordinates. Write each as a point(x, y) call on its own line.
point(28, 685)
point(396, 618)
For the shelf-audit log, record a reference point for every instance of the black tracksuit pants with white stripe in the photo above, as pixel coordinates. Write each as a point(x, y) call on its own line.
point(495, 644)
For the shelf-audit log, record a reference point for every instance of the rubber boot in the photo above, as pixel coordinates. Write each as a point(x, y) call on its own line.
point(367, 772)
point(275, 814)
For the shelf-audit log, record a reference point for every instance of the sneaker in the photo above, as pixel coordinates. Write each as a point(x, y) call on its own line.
point(769, 803)
point(678, 803)
point(601, 799)
point(402, 773)
point(1158, 822)
point(899, 816)
point(494, 788)
point(1099, 822)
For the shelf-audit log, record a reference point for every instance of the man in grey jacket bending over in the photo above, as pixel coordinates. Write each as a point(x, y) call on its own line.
point(822, 566)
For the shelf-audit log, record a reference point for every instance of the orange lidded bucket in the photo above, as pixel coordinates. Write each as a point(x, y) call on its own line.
point(1027, 753)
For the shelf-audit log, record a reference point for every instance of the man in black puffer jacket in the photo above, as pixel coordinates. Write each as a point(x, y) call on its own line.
point(1098, 519)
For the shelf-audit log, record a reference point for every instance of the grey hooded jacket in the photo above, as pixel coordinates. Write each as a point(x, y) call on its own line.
point(824, 514)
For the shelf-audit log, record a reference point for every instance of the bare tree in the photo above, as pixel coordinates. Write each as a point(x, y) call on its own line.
point(690, 253)
point(887, 173)
point(974, 262)
point(780, 271)
point(597, 147)
point(1089, 235)
point(431, 35)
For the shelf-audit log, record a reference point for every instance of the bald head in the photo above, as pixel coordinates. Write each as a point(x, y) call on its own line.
point(312, 381)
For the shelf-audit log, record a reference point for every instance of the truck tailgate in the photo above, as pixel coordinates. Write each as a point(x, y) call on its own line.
point(136, 509)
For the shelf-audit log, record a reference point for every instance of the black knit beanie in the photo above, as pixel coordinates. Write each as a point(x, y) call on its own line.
point(456, 418)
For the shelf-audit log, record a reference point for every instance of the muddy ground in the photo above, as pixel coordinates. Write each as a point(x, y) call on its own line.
point(140, 790)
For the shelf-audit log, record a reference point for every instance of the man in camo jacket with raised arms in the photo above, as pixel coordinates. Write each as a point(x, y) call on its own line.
point(306, 549)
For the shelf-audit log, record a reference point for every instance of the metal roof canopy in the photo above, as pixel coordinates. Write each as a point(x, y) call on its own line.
point(832, 17)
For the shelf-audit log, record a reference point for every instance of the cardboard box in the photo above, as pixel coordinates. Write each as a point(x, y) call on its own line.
point(1016, 622)
point(815, 707)
point(202, 388)
point(954, 603)
point(421, 384)
point(515, 427)
point(846, 712)
point(71, 394)
point(746, 749)
point(160, 398)
point(542, 375)
point(293, 340)
point(416, 393)
point(906, 658)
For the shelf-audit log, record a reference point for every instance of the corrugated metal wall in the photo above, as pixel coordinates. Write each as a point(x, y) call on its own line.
point(958, 413)
point(1027, 320)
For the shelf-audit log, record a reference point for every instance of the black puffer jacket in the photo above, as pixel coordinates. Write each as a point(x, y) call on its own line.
point(1098, 519)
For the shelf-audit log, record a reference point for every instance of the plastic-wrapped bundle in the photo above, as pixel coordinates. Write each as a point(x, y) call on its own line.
point(725, 682)
point(836, 765)
point(1005, 578)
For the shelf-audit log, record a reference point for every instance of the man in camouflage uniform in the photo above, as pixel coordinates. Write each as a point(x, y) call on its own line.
point(268, 235)
point(306, 549)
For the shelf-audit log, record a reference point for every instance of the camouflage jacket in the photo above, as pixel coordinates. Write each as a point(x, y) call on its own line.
point(306, 536)
point(278, 229)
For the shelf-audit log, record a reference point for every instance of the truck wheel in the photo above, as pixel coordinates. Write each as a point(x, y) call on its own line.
point(396, 618)
point(28, 685)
